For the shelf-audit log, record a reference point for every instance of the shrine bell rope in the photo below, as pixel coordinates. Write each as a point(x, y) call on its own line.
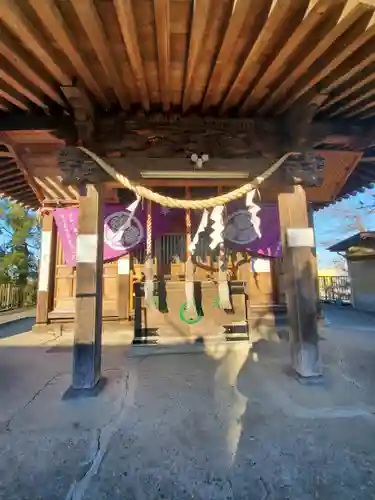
point(167, 201)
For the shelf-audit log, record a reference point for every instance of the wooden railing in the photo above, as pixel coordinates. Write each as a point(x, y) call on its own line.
point(15, 297)
point(335, 289)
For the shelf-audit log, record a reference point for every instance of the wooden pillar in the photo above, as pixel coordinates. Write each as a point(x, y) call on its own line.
point(315, 263)
point(46, 269)
point(299, 261)
point(123, 290)
point(88, 314)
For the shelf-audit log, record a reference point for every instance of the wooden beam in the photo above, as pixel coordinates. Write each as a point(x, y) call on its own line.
point(162, 20)
point(83, 112)
point(283, 18)
point(198, 27)
point(345, 96)
point(367, 111)
point(12, 16)
point(6, 163)
point(14, 149)
point(245, 13)
point(20, 85)
point(4, 105)
point(348, 62)
point(12, 96)
point(11, 175)
point(89, 288)
point(53, 22)
point(92, 25)
point(47, 190)
point(46, 269)
point(16, 190)
point(346, 31)
point(300, 283)
point(6, 154)
point(18, 57)
point(128, 29)
point(322, 10)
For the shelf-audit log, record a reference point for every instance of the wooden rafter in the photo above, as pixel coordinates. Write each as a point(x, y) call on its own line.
point(367, 111)
point(47, 190)
point(6, 163)
point(353, 102)
point(15, 181)
point(128, 29)
point(22, 62)
point(54, 23)
point(21, 86)
point(342, 66)
point(315, 17)
point(162, 19)
point(12, 16)
point(4, 105)
point(92, 25)
point(58, 188)
point(15, 190)
point(283, 18)
point(344, 31)
point(13, 148)
point(11, 175)
point(245, 13)
point(198, 26)
point(9, 94)
point(6, 154)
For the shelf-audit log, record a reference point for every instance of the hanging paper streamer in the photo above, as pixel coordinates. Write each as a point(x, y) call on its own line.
point(132, 208)
point(217, 226)
point(191, 311)
point(253, 209)
point(201, 228)
point(217, 238)
point(189, 268)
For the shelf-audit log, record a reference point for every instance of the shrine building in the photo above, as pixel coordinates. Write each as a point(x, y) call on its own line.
point(176, 151)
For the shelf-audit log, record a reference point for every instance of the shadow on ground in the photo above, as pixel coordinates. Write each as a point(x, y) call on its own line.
point(210, 421)
point(16, 327)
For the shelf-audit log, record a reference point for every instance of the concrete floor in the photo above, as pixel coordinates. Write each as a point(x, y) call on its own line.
point(181, 422)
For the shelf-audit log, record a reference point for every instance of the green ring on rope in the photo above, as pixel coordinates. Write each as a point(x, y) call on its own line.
point(188, 321)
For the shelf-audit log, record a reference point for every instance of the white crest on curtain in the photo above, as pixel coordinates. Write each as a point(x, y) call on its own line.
point(117, 236)
point(253, 209)
point(217, 226)
point(202, 226)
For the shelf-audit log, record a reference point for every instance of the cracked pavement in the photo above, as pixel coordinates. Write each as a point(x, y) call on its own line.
point(204, 422)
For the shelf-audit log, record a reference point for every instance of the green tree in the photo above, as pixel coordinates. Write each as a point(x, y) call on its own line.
point(19, 243)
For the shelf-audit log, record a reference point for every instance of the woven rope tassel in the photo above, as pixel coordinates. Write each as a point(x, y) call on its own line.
point(148, 269)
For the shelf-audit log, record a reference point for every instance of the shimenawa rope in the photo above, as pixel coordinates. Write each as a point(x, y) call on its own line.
point(167, 201)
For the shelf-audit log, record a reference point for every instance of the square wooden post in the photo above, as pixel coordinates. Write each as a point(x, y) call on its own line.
point(123, 289)
point(299, 261)
point(88, 314)
point(46, 270)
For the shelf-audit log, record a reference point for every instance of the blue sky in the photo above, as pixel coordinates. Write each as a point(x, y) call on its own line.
point(341, 220)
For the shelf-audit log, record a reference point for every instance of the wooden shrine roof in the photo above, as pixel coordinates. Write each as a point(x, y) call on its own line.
point(243, 58)
point(255, 56)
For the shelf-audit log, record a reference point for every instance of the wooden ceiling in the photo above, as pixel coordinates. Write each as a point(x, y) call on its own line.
point(14, 180)
point(248, 57)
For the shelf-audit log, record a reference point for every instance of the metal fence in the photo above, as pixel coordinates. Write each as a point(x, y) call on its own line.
point(335, 289)
point(15, 297)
